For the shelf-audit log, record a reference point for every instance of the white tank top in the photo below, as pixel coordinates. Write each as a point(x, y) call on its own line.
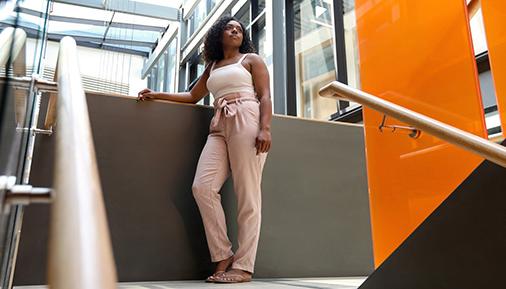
point(231, 78)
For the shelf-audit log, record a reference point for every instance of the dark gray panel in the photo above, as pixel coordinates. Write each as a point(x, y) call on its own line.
point(315, 202)
point(462, 244)
point(12, 154)
point(10, 139)
point(315, 212)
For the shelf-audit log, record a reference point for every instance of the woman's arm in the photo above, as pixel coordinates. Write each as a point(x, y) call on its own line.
point(195, 94)
point(262, 88)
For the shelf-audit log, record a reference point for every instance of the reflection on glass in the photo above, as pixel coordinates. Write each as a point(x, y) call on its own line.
point(161, 73)
point(131, 34)
point(74, 11)
point(138, 19)
point(171, 67)
point(478, 33)
point(152, 77)
point(196, 68)
point(351, 44)
point(314, 56)
point(257, 7)
point(244, 14)
point(197, 17)
point(76, 29)
point(259, 37)
point(171, 3)
point(150, 81)
point(199, 14)
point(211, 4)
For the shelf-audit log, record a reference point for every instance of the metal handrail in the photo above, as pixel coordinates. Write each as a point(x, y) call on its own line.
point(472, 7)
point(80, 251)
point(468, 141)
point(16, 50)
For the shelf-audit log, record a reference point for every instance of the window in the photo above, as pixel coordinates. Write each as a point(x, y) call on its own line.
point(351, 43)
point(196, 67)
point(171, 66)
point(152, 78)
point(314, 56)
point(199, 14)
point(258, 31)
point(244, 14)
point(160, 78)
point(210, 5)
point(257, 7)
point(197, 17)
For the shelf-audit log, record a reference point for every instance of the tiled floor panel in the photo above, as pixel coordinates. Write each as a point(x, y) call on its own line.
point(313, 283)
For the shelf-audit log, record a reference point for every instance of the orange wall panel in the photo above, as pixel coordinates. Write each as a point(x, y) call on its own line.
point(417, 54)
point(494, 18)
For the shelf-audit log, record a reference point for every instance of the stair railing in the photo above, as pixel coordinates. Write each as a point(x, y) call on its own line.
point(80, 251)
point(468, 141)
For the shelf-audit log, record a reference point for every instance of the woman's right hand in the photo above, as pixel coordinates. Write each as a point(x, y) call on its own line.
point(145, 94)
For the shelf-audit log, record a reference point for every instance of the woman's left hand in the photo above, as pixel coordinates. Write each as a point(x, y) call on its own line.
point(263, 141)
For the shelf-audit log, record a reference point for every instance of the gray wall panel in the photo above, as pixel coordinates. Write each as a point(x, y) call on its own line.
point(315, 201)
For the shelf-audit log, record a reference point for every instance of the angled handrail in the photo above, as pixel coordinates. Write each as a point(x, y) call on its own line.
point(80, 251)
point(468, 141)
point(472, 7)
point(17, 54)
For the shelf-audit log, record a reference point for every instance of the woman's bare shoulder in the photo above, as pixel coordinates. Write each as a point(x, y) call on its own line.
point(255, 59)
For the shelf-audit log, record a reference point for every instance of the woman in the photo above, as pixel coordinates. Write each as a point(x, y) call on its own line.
point(238, 141)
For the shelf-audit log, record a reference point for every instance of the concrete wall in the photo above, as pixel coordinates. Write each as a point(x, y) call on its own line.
point(315, 198)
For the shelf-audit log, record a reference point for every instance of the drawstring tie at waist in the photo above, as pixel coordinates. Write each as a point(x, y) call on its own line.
point(221, 105)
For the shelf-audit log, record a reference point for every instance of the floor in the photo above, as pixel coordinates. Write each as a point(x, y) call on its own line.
point(313, 283)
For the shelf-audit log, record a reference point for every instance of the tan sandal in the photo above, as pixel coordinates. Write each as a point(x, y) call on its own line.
point(211, 278)
point(229, 277)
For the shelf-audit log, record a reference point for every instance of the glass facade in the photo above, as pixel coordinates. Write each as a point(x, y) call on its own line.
point(320, 50)
point(199, 14)
point(244, 14)
point(351, 44)
point(487, 86)
point(478, 33)
point(196, 68)
point(160, 77)
point(152, 77)
point(314, 56)
point(197, 17)
point(171, 67)
point(259, 32)
point(258, 28)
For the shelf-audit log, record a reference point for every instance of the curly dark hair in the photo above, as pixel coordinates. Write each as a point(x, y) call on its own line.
point(213, 46)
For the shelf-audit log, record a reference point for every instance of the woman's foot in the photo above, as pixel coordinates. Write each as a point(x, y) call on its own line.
point(233, 276)
point(221, 268)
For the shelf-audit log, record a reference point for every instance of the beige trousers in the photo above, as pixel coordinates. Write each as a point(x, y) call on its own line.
point(230, 146)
